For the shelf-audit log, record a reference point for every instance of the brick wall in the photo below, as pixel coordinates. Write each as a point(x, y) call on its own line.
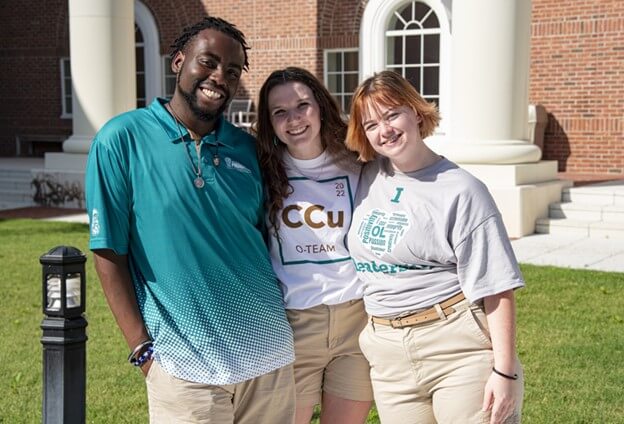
point(278, 37)
point(339, 26)
point(33, 41)
point(577, 59)
point(293, 35)
point(577, 73)
point(280, 34)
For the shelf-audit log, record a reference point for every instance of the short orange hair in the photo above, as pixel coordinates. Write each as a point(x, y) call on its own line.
point(392, 90)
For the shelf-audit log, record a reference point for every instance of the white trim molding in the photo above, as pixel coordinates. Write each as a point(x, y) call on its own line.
point(66, 82)
point(375, 21)
point(340, 96)
point(153, 68)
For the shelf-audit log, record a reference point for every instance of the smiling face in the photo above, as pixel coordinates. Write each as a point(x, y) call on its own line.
point(392, 131)
point(208, 73)
point(296, 119)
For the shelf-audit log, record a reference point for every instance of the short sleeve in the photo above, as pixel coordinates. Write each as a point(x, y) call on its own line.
point(107, 198)
point(486, 264)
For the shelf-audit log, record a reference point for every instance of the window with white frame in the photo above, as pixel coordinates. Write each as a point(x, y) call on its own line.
point(149, 83)
point(169, 78)
point(139, 52)
point(66, 88)
point(413, 47)
point(341, 75)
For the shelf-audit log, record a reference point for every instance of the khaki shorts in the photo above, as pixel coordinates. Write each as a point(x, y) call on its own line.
point(327, 355)
point(435, 371)
point(267, 399)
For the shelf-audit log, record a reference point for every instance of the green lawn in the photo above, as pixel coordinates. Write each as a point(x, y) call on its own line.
point(570, 339)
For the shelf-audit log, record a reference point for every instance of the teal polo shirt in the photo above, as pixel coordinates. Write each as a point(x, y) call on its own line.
point(198, 261)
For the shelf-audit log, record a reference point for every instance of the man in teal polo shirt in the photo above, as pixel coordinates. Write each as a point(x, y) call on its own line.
point(175, 204)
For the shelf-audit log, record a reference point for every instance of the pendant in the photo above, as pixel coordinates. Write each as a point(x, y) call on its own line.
point(215, 160)
point(199, 182)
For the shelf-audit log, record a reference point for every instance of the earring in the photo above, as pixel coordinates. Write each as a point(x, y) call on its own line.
point(275, 141)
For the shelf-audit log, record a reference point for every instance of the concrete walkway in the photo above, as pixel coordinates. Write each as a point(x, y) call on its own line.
point(569, 251)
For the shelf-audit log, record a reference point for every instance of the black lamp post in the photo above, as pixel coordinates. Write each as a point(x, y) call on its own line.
point(64, 337)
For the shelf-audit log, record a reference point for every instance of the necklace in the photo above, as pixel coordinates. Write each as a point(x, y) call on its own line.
point(199, 180)
point(216, 160)
point(307, 175)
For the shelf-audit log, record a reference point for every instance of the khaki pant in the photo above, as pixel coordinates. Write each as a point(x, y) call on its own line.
point(433, 372)
point(268, 399)
point(327, 354)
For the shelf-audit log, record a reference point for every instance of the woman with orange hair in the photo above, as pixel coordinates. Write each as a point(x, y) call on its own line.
point(438, 269)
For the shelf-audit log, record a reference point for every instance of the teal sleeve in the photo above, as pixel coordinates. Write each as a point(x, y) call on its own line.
point(107, 197)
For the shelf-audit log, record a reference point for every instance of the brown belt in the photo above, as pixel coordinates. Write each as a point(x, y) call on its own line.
point(430, 314)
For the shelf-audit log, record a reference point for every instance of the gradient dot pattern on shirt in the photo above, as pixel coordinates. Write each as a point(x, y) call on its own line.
point(217, 325)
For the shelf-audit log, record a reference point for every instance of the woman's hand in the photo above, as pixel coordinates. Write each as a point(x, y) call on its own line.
point(500, 390)
point(500, 398)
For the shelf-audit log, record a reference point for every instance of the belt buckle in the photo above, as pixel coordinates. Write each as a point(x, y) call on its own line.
point(396, 323)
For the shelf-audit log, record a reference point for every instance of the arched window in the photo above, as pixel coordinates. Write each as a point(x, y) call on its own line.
point(148, 60)
point(413, 38)
point(413, 47)
point(341, 75)
point(139, 49)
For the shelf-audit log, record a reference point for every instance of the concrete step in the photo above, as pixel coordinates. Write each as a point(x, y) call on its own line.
point(17, 195)
point(12, 183)
point(15, 173)
point(16, 190)
point(610, 230)
point(562, 226)
point(587, 212)
point(575, 211)
point(14, 205)
point(580, 227)
point(613, 213)
point(597, 194)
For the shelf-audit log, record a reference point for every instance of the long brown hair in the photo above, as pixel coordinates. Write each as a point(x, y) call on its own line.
point(271, 150)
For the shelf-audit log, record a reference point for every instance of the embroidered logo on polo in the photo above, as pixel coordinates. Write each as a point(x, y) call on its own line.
point(95, 223)
point(232, 164)
point(314, 221)
point(380, 230)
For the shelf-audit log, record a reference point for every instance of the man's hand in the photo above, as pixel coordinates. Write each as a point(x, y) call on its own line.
point(146, 367)
point(117, 285)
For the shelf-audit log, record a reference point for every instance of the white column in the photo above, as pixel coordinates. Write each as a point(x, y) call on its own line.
point(489, 126)
point(102, 66)
point(489, 80)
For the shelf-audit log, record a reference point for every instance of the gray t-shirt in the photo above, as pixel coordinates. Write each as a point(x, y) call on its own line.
point(421, 237)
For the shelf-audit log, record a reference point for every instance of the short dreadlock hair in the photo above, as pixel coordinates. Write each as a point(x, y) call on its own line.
point(210, 22)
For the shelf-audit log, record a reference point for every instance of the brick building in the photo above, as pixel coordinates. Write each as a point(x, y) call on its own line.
point(576, 71)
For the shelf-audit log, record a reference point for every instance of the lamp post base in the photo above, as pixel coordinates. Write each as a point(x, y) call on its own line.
point(64, 370)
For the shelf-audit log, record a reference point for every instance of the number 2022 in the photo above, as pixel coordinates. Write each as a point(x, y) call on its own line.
point(340, 192)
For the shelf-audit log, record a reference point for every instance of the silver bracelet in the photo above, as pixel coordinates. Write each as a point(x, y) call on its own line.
point(136, 350)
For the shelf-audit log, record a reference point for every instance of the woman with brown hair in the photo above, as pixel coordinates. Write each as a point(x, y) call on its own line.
point(311, 179)
point(439, 273)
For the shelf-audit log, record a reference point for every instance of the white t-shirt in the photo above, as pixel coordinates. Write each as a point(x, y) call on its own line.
point(310, 258)
point(421, 237)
